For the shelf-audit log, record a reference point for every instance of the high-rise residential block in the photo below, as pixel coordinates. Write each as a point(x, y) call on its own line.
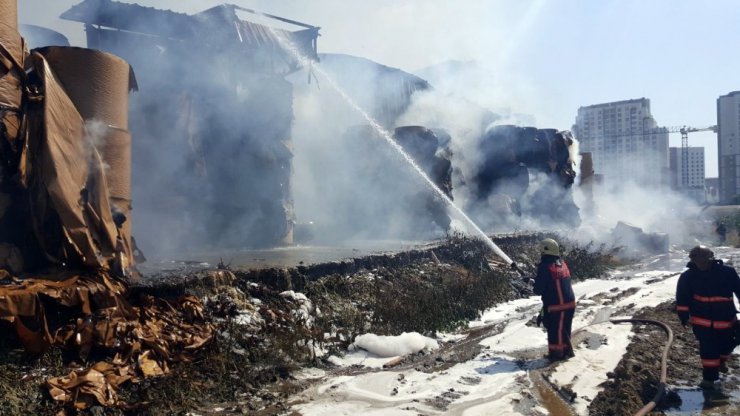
point(694, 173)
point(728, 144)
point(626, 143)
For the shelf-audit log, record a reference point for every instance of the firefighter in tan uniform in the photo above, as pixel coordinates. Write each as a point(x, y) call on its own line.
point(558, 301)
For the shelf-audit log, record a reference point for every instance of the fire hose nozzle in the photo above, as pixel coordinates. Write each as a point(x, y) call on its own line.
point(515, 266)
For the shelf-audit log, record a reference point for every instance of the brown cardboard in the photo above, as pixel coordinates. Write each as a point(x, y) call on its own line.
point(116, 152)
point(62, 164)
point(9, 13)
point(97, 82)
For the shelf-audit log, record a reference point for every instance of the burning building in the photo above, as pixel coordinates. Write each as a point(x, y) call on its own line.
point(213, 154)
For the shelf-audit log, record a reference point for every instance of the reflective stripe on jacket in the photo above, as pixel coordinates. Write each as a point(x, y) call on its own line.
point(706, 296)
point(554, 285)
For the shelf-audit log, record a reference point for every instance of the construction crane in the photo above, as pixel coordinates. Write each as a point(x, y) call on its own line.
point(685, 130)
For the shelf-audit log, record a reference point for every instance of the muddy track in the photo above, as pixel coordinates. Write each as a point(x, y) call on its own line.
point(549, 395)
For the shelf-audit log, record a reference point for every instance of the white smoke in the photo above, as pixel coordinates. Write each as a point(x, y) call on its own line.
point(474, 89)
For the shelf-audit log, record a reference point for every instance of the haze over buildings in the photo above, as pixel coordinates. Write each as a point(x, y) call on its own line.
point(690, 181)
point(625, 142)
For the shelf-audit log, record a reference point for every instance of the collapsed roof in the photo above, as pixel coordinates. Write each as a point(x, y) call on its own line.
point(219, 26)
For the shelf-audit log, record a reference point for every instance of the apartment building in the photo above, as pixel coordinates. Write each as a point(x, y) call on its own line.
point(626, 143)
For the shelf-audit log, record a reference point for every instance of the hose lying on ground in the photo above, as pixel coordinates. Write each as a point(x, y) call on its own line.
point(663, 361)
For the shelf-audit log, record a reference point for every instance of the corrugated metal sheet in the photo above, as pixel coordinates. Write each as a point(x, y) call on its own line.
point(218, 25)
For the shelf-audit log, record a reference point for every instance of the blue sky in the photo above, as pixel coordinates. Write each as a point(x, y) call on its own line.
point(546, 58)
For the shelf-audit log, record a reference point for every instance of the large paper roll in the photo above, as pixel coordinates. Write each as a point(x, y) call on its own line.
point(116, 152)
point(11, 71)
point(10, 90)
point(97, 82)
point(38, 37)
point(9, 13)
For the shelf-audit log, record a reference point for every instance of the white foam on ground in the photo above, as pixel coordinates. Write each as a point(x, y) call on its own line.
point(393, 346)
point(490, 386)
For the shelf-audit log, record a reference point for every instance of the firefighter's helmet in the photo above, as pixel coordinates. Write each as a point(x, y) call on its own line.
point(549, 246)
point(701, 252)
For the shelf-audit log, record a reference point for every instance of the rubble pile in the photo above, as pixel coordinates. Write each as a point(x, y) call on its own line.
point(258, 328)
point(428, 290)
point(89, 317)
point(430, 149)
point(525, 171)
point(635, 242)
point(143, 341)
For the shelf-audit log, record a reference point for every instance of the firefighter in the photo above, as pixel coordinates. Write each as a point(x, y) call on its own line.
point(558, 301)
point(704, 299)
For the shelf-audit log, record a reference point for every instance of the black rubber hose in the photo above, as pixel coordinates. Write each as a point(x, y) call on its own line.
point(663, 361)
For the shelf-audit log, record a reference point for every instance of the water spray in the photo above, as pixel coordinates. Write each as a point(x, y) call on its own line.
point(386, 135)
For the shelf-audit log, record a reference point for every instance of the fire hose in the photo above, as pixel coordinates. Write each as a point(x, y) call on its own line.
point(663, 361)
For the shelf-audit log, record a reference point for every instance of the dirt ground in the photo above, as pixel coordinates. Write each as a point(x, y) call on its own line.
point(634, 382)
